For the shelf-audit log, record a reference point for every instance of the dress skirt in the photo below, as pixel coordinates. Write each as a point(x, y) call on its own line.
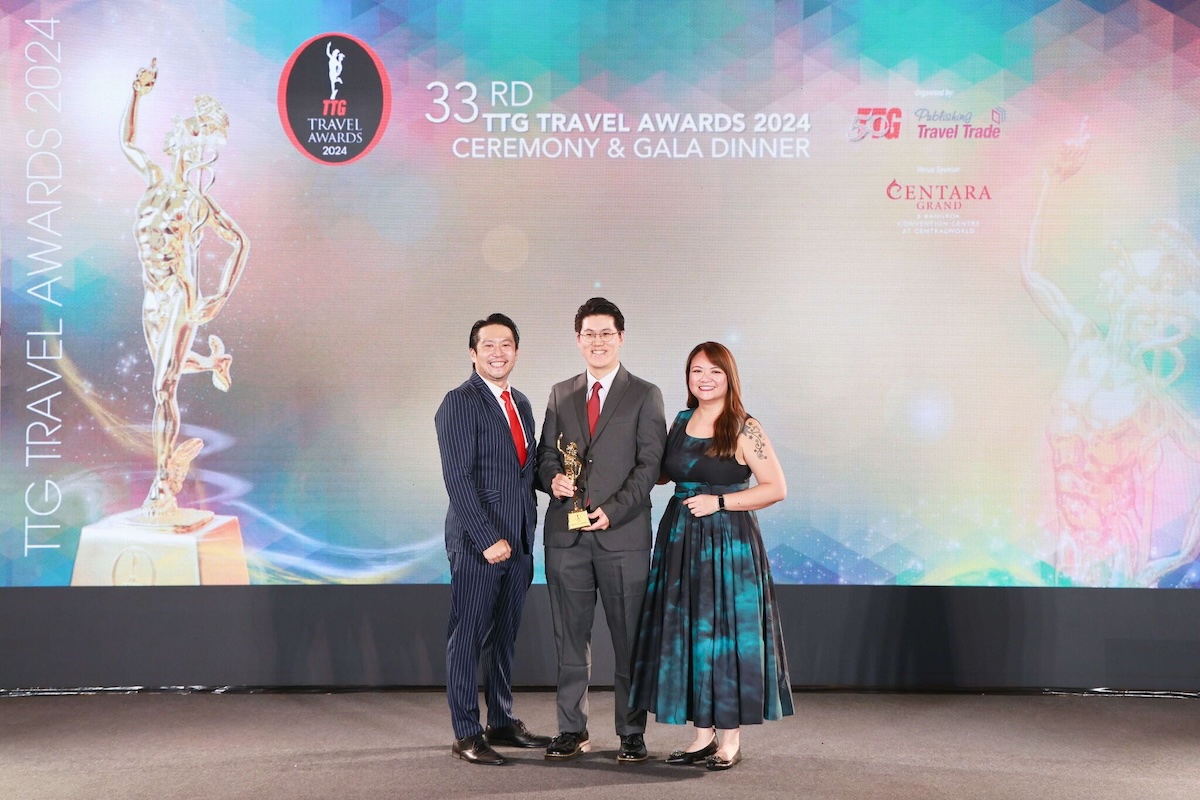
point(710, 646)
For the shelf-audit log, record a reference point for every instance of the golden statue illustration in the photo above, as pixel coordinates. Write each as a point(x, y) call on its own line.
point(1112, 415)
point(173, 216)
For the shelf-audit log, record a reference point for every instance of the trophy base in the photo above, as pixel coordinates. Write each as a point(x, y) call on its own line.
point(577, 520)
point(126, 550)
point(180, 520)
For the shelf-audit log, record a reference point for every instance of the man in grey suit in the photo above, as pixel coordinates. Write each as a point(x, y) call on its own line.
point(485, 435)
point(617, 421)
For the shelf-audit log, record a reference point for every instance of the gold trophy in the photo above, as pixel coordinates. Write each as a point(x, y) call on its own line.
point(161, 542)
point(577, 518)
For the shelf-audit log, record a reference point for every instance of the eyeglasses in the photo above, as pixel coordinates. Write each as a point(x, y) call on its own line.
point(591, 337)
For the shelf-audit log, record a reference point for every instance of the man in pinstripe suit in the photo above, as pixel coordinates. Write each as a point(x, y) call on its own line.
point(485, 436)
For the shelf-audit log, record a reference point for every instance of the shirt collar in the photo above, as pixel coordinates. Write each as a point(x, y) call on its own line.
point(496, 390)
point(605, 383)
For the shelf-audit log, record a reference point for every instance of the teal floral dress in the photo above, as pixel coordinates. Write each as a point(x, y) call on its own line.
point(709, 646)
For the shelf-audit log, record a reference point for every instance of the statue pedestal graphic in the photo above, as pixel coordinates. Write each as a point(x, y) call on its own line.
point(116, 551)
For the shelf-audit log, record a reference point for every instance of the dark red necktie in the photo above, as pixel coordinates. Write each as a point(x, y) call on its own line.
point(594, 408)
point(514, 425)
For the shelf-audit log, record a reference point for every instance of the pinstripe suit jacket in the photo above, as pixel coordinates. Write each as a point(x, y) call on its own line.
point(491, 494)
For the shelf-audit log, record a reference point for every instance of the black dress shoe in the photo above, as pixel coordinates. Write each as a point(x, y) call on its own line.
point(715, 762)
point(475, 750)
point(568, 745)
point(693, 756)
point(515, 735)
point(633, 749)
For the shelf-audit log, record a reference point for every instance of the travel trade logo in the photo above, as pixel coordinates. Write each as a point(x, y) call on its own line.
point(934, 123)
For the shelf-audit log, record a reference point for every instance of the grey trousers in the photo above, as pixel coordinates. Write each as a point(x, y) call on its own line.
point(574, 575)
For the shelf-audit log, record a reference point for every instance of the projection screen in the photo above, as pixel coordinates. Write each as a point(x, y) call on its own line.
point(952, 246)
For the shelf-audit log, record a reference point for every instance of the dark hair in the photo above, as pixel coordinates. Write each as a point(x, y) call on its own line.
point(729, 424)
point(494, 319)
point(598, 306)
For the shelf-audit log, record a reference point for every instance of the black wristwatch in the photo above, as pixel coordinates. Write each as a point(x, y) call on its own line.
point(721, 502)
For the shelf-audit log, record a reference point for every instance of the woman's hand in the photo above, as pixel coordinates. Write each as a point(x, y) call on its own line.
point(701, 505)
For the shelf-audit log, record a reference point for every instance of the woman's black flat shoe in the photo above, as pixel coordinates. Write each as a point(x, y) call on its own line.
point(715, 762)
point(692, 756)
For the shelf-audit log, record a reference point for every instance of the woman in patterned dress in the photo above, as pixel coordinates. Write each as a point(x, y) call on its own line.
point(710, 647)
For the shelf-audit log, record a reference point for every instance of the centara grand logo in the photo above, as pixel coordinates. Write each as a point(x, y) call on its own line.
point(334, 99)
point(938, 196)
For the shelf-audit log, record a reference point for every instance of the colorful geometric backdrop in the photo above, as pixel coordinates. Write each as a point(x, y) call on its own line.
point(953, 245)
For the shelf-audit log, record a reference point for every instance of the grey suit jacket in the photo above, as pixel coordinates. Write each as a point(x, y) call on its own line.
point(621, 464)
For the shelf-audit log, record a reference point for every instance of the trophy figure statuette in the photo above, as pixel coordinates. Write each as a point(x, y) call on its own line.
point(163, 542)
point(577, 518)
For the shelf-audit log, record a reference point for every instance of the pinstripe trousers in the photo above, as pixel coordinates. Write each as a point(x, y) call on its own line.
point(486, 601)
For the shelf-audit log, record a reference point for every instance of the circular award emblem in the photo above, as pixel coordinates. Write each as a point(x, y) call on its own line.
point(134, 566)
point(334, 99)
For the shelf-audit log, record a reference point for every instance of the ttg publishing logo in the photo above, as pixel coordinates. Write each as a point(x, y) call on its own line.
point(876, 123)
point(334, 99)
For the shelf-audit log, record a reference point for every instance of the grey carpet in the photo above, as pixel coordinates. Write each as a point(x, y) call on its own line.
point(397, 745)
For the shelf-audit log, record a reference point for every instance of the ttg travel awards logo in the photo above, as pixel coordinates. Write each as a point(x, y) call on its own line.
point(334, 99)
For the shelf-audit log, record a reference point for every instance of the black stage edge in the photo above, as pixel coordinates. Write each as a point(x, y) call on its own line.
point(862, 637)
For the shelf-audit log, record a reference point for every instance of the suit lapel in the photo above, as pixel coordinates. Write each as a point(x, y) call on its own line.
point(501, 419)
point(488, 399)
point(580, 392)
point(525, 412)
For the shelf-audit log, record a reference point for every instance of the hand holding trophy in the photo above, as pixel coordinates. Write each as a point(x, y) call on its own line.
point(577, 518)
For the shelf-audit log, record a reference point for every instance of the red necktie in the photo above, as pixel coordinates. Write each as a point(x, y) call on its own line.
point(514, 425)
point(594, 408)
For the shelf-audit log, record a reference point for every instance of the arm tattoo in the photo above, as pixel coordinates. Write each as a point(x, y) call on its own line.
point(755, 434)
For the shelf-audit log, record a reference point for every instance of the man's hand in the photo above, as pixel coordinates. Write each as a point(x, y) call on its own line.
point(599, 520)
point(498, 552)
point(562, 487)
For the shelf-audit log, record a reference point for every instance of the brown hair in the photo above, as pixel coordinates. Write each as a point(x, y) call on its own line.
point(733, 416)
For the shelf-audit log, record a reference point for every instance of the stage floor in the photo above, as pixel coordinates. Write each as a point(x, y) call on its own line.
point(396, 744)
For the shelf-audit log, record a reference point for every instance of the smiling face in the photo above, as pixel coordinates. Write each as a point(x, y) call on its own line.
point(600, 342)
point(706, 381)
point(495, 353)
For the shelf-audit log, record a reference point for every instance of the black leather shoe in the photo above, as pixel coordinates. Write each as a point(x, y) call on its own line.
point(475, 750)
point(633, 749)
point(693, 756)
point(715, 762)
point(568, 745)
point(515, 735)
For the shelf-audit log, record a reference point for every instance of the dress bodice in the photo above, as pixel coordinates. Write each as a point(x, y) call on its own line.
point(684, 460)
